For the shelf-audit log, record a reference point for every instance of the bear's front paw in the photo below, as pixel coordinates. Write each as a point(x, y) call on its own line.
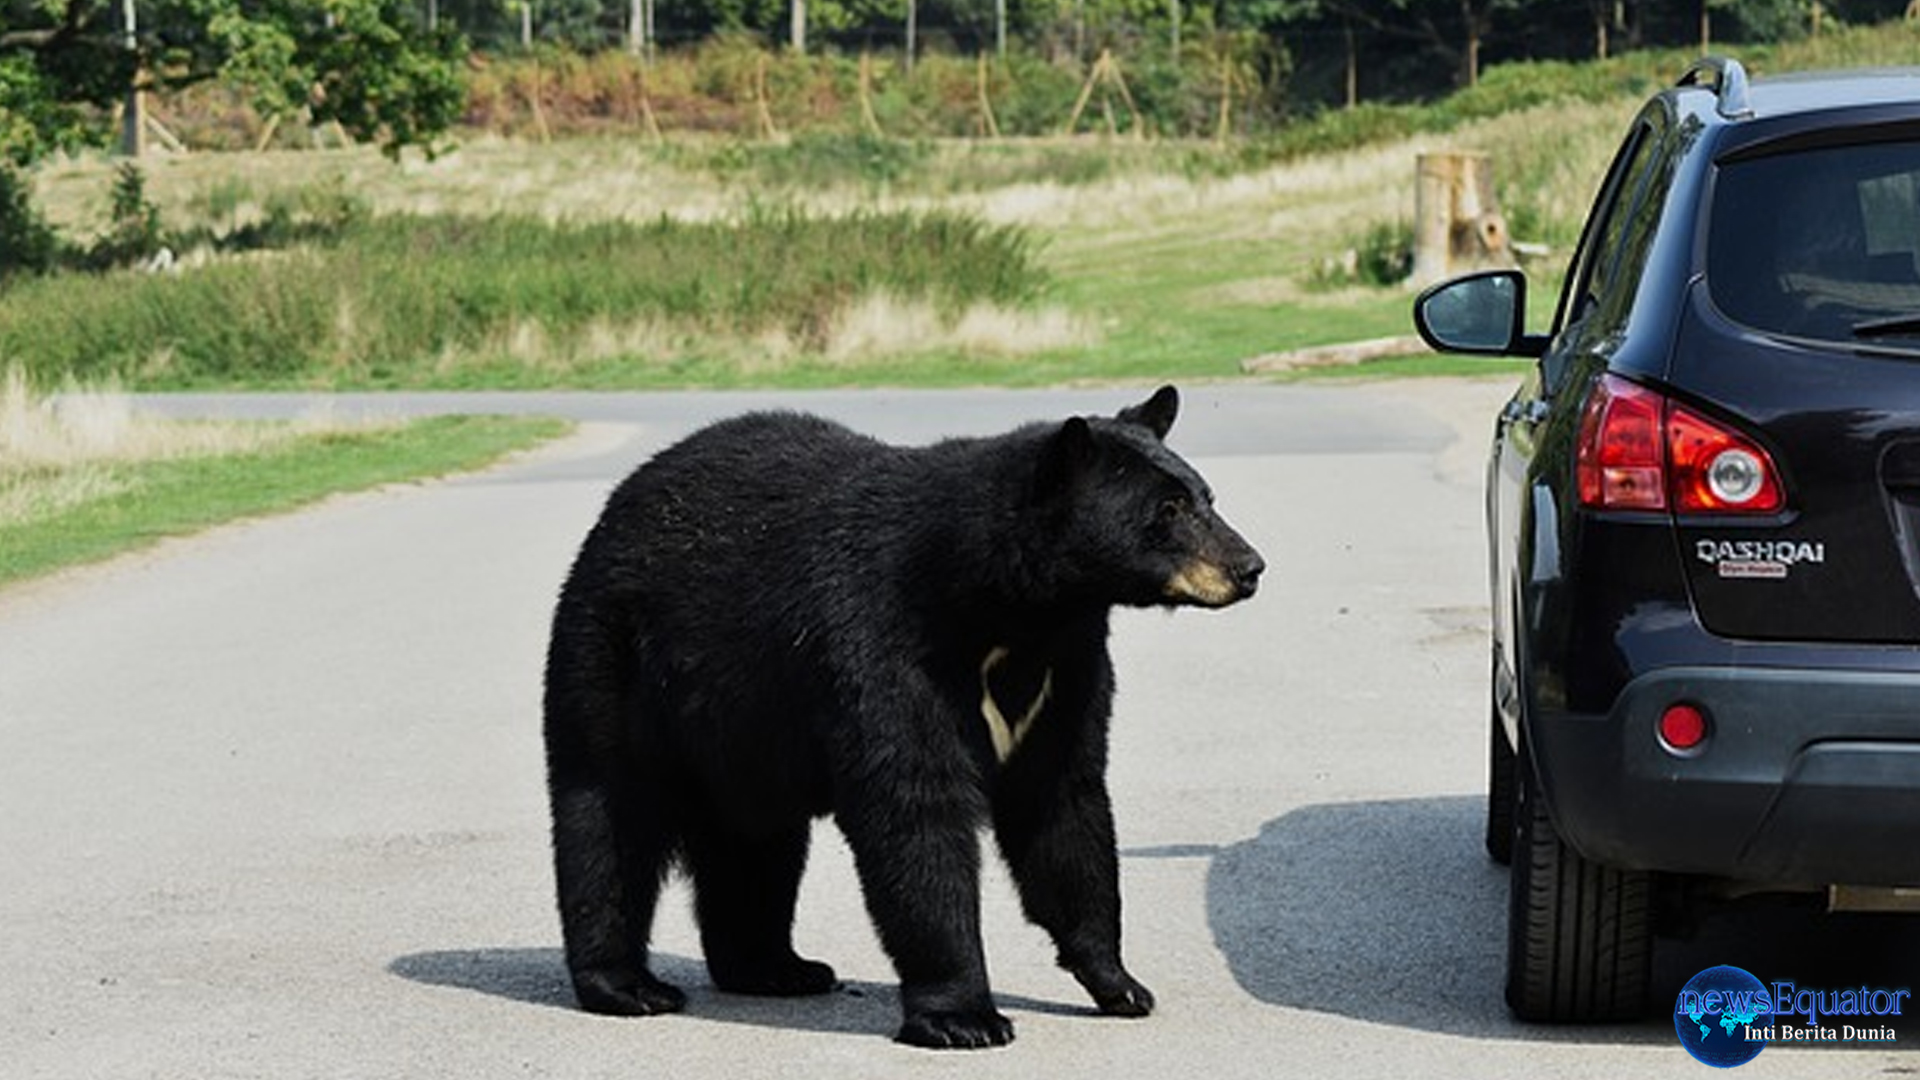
point(1115, 992)
point(626, 994)
point(956, 1030)
point(1125, 998)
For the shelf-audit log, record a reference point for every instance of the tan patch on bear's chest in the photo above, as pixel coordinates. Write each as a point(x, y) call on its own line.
point(1007, 732)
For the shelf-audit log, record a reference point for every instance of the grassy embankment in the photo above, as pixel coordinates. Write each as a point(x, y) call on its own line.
point(88, 477)
point(611, 264)
point(825, 260)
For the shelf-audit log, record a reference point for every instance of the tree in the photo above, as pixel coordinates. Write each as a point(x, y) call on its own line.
point(373, 66)
point(1455, 29)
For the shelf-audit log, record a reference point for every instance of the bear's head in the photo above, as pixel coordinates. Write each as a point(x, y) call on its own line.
point(1135, 522)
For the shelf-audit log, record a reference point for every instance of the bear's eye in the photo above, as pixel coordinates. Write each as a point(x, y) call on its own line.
point(1174, 508)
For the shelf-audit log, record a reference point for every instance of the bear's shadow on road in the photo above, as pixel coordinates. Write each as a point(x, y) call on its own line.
point(539, 977)
point(1391, 912)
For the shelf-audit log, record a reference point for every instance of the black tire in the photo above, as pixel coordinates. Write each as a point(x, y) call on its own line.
point(1579, 935)
point(1501, 773)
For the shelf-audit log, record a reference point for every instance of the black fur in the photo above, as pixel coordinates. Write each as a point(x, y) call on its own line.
point(778, 619)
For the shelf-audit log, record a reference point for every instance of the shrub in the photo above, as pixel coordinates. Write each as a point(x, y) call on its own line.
point(389, 298)
point(27, 243)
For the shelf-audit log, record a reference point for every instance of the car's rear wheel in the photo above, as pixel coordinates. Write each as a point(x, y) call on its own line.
point(1500, 789)
point(1579, 934)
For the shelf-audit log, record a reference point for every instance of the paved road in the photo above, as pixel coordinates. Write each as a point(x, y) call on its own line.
point(272, 797)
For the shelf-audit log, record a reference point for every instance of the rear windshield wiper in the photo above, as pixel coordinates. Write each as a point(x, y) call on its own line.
point(1889, 327)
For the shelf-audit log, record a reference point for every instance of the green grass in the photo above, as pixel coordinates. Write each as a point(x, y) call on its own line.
point(624, 263)
point(422, 301)
point(145, 502)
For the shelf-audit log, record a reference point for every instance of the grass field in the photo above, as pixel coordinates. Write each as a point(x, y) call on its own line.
point(1084, 259)
point(1155, 269)
point(627, 261)
point(509, 264)
point(84, 477)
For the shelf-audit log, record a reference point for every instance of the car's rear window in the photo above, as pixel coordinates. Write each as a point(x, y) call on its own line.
point(1821, 243)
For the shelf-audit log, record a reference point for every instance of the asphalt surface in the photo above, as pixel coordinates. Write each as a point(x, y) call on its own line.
point(271, 798)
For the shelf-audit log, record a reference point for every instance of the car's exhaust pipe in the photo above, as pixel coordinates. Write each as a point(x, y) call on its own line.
point(1880, 898)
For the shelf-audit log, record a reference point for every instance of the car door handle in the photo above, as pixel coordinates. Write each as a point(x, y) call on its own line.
point(1532, 411)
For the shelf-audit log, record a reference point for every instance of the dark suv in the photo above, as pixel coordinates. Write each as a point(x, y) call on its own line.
point(1703, 506)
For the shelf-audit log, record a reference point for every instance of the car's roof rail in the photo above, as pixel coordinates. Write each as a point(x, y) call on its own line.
point(1729, 82)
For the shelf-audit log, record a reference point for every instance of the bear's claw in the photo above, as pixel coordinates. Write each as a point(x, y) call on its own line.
point(956, 1030)
point(1130, 1000)
point(793, 977)
point(625, 994)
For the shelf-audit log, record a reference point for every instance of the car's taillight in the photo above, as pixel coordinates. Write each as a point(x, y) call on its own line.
point(1717, 470)
point(1639, 451)
point(1621, 461)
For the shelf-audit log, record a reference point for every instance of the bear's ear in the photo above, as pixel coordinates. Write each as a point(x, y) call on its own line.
point(1156, 414)
point(1070, 451)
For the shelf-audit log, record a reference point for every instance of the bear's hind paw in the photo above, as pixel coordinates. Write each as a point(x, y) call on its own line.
point(792, 977)
point(624, 994)
point(956, 1031)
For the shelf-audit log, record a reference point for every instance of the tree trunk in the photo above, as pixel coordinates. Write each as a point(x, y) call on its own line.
point(1353, 63)
point(913, 31)
point(1457, 222)
point(133, 119)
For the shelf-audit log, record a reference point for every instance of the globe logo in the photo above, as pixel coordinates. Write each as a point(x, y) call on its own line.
point(1713, 1012)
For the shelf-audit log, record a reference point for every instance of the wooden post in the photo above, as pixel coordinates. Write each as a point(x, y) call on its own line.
point(763, 110)
point(1457, 223)
point(989, 124)
point(1106, 73)
point(1126, 96)
point(539, 113)
point(866, 95)
point(1226, 98)
point(646, 110)
point(1086, 92)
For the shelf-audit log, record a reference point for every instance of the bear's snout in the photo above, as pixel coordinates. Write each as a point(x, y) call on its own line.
point(1246, 573)
point(1218, 580)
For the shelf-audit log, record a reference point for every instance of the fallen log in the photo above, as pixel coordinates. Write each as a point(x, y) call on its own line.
point(1352, 352)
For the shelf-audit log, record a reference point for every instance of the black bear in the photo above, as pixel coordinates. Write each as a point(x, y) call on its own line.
point(778, 619)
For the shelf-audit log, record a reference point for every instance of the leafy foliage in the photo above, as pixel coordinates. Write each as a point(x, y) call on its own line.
point(135, 233)
point(363, 63)
point(27, 243)
point(385, 300)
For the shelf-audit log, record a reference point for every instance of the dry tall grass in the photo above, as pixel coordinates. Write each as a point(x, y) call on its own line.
point(59, 451)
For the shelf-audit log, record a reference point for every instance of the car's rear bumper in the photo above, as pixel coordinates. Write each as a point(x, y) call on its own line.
point(1807, 777)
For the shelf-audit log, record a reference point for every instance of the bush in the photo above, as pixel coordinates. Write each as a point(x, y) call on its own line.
point(134, 234)
point(1382, 256)
point(27, 243)
point(390, 298)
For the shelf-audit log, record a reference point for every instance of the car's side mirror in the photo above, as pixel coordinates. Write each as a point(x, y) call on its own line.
point(1483, 313)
